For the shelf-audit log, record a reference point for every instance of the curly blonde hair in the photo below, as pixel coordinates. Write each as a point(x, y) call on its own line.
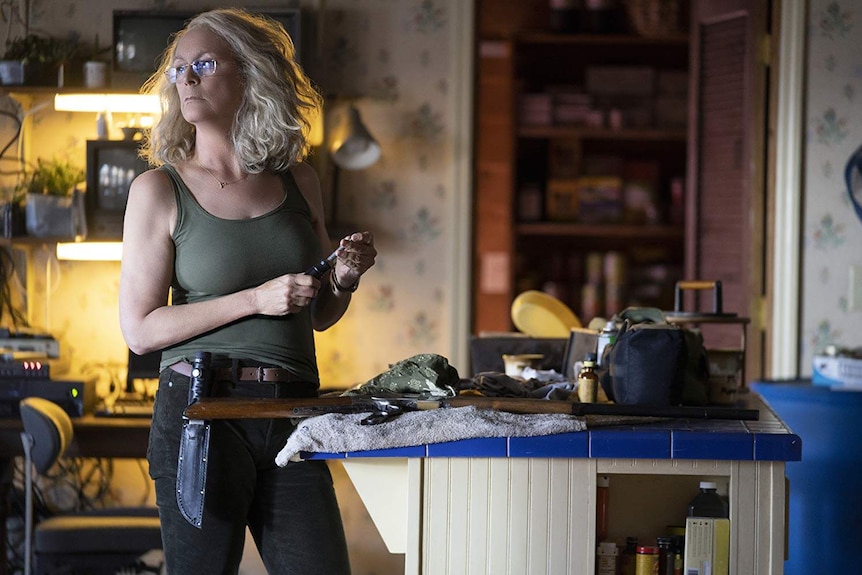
point(271, 127)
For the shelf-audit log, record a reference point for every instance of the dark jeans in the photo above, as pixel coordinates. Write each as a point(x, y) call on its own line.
point(292, 512)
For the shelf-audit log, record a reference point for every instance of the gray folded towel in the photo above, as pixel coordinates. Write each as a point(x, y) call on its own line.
point(338, 432)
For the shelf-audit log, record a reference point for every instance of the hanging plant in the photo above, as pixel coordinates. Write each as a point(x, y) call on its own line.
point(34, 49)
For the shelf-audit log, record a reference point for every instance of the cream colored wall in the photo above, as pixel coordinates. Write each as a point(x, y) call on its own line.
point(404, 64)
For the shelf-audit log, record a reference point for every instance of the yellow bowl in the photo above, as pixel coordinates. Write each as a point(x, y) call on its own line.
point(538, 314)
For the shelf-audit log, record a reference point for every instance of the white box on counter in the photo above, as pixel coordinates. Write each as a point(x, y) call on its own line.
point(837, 372)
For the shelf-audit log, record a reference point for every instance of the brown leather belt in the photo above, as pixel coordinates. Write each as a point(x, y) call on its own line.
point(258, 374)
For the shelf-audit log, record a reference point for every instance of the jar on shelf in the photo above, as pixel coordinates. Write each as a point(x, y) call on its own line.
point(646, 560)
point(601, 17)
point(565, 15)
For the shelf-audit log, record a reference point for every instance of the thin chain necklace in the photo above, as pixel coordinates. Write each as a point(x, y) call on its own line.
point(222, 184)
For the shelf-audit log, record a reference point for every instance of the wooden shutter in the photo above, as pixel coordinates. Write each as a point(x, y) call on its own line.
point(725, 227)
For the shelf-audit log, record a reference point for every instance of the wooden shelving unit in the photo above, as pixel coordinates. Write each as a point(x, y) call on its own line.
point(514, 251)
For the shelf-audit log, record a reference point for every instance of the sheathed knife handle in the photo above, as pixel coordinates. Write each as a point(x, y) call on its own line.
point(194, 446)
point(199, 382)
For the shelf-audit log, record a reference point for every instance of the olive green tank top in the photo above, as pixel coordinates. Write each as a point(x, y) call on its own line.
point(215, 257)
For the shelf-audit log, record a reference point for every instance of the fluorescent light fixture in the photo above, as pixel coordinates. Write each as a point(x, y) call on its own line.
point(117, 103)
point(90, 251)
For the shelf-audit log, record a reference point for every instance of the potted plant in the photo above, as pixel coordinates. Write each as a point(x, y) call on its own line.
point(35, 60)
point(95, 65)
point(54, 206)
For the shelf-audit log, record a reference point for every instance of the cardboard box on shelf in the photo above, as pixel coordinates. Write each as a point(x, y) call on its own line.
point(562, 199)
point(600, 199)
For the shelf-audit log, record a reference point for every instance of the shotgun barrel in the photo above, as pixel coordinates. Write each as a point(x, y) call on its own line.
point(231, 408)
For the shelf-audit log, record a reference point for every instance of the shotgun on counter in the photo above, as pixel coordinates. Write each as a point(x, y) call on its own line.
point(381, 409)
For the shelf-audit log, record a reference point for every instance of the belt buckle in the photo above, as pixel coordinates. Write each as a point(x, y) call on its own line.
point(261, 373)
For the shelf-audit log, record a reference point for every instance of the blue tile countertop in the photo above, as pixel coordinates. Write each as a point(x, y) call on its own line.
point(767, 439)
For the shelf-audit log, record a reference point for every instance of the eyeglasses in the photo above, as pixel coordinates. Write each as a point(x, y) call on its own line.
point(201, 68)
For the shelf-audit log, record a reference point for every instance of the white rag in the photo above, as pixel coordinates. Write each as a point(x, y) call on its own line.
point(338, 432)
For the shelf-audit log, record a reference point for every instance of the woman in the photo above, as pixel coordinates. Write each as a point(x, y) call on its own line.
point(228, 222)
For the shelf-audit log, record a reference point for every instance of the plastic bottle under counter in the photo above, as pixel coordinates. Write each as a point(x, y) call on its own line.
point(606, 558)
point(602, 501)
point(708, 503)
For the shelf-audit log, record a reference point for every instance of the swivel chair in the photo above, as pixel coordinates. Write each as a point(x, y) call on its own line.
point(103, 541)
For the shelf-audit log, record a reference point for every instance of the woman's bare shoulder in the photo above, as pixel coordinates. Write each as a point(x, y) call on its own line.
point(153, 182)
point(305, 176)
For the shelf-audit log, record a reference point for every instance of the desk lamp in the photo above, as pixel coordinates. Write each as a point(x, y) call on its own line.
point(352, 147)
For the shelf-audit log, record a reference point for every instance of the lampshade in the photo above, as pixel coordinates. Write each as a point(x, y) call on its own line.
point(353, 147)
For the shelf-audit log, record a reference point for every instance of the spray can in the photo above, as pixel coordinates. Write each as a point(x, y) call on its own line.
point(607, 337)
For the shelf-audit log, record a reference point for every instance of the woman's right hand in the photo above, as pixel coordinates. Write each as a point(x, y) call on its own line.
point(285, 294)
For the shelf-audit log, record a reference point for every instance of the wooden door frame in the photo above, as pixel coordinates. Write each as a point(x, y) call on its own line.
point(785, 195)
point(459, 218)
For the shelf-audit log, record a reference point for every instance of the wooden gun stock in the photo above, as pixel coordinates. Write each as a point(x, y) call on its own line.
point(230, 408)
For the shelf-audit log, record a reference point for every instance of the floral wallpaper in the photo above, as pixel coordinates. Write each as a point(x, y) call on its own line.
point(387, 57)
point(832, 230)
point(392, 60)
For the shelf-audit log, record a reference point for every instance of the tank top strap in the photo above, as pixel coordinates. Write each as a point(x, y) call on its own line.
point(182, 195)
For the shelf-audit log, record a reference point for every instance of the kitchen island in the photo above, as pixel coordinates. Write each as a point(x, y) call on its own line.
point(527, 505)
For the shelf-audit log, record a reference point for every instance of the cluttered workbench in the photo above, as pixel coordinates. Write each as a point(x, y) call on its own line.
point(528, 504)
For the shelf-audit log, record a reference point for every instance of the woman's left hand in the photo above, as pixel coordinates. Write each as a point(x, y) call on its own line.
point(356, 254)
